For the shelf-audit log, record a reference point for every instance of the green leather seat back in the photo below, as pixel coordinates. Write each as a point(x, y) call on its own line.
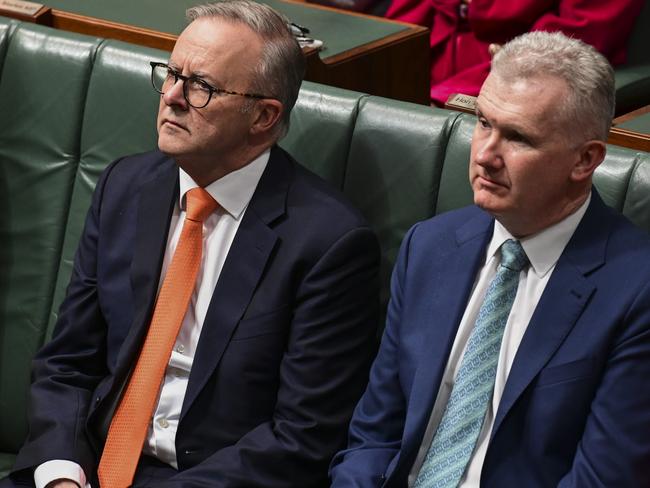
point(394, 168)
point(42, 93)
point(455, 190)
point(119, 119)
point(637, 199)
point(6, 458)
point(612, 176)
point(321, 129)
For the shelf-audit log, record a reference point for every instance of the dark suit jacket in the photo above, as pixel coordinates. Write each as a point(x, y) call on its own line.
point(284, 350)
point(576, 406)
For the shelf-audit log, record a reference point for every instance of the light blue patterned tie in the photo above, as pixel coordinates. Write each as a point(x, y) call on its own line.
point(461, 423)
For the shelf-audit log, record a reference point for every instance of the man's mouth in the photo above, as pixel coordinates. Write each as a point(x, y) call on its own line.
point(173, 124)
point(490, 183)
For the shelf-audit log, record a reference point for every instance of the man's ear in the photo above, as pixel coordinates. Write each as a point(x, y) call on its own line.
point(267, 115)
point(590, 155)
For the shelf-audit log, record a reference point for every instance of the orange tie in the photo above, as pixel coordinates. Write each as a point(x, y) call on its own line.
point(129, 426)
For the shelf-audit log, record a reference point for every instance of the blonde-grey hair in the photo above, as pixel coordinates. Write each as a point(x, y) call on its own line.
point(589, 77)
point(281, 67)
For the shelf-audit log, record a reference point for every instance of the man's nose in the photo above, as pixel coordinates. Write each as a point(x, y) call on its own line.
point(174, 95)
point(488, 151)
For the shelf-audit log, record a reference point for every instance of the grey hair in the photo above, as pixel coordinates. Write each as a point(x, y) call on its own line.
point(281, 68)
point(587, 74)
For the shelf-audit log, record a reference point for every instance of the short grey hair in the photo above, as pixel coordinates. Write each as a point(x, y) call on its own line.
point(587, 74)
point(281, 68)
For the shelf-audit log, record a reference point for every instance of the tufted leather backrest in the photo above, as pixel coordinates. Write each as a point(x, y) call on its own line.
point(455, 191)
point(636, 204)
point(393, 169)
point(42, 95)
point(119, 118)
point(323, 140)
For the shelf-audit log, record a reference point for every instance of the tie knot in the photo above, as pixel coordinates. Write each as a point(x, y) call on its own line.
point(513, 255)
point(199, 204)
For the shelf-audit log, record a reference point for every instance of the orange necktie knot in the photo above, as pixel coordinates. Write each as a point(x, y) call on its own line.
point(199, 204)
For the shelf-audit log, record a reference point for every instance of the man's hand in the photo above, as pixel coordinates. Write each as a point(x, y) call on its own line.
point(494, 48)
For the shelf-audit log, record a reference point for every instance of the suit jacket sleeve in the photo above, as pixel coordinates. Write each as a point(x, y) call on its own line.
point(378, 422)
point(615, 446)
point(322, 374)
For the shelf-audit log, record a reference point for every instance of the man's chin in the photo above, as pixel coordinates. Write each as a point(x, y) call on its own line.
point(169, 148)
point(488, 203)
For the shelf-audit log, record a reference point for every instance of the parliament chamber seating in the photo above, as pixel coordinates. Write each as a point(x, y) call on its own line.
point(70, 104)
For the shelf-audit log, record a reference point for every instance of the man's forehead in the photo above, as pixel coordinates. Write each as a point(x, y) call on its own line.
point(525, 100)
point(215, 44)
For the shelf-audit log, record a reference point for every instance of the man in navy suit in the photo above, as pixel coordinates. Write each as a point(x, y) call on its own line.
point(274, 349)
point(549, 387)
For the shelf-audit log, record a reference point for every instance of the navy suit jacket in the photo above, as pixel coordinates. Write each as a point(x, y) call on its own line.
point(284, 351)
point(576, 407)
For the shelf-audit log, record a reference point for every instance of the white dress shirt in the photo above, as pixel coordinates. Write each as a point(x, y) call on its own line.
point(543, 250)
point(233, 192)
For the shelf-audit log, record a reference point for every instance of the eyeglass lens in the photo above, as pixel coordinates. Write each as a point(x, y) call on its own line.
point(195, 91)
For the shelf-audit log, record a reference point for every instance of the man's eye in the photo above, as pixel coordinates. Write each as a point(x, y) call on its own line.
point(483, 123)
point(198, 85)
point(518, 138)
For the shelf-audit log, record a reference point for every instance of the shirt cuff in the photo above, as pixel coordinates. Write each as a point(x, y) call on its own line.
point(59, 469)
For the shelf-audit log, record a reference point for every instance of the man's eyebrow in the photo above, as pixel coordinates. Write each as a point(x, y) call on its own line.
point(199, 74)
point(202, 75)
point(527, 134)
point(509, 129)
point(194, 74)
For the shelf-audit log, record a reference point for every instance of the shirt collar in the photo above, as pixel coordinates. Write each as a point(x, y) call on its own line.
point(234, 191)
point(544, 248)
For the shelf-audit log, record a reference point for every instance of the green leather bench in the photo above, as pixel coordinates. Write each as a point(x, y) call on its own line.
point(70, 104)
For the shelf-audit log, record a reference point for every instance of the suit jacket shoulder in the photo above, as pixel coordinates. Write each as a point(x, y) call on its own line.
point(307, 189)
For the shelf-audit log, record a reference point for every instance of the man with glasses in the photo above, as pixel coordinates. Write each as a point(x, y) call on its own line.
point(220, 317)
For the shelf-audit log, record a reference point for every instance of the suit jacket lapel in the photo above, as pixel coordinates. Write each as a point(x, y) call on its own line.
point(241, 273)
point(156, 204)
point(149, 248)
point(446, 309)
point(561, 304)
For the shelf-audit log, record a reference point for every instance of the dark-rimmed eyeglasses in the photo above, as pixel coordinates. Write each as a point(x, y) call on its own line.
point(197, 92)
